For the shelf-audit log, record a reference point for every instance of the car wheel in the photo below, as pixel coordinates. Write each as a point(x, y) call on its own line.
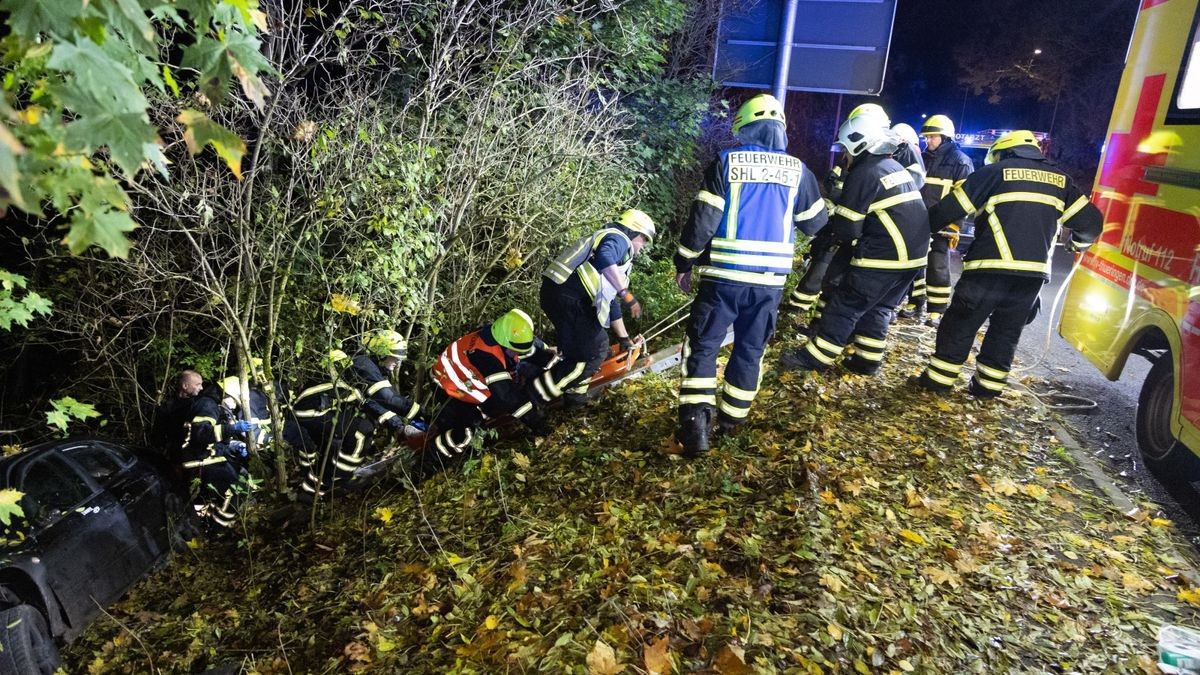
point(1168, 459)
point(28, 648)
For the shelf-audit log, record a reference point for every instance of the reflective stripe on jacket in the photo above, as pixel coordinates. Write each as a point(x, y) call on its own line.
point(1021, 203)
point(576, 257)
point(881, 208)
point(462, 379)
point(742, 224)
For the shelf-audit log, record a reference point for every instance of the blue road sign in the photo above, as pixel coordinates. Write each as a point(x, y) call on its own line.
point(838, 46)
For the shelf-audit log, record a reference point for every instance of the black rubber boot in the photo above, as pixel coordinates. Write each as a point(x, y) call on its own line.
point(861, 366)
point(693, 429)
point(574, 401)
point(728, 426)
point(980, 392)
point(923, 381)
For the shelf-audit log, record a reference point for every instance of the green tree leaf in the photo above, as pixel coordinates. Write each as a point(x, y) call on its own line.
point(201, 131)
point(43, 16)
point(65, 409)
point(10, 505)
point(105, 229)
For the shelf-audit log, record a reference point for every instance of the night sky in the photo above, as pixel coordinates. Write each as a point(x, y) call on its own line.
point(923, 77)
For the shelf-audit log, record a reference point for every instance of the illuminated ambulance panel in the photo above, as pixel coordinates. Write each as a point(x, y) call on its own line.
point(1142, 275)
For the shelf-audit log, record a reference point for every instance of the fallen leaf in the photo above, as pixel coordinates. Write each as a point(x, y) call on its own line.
point(655, 655)
point(603, 660)
point(1133, 582)
point(1006, 487)
point(912, 536)
point(831, 582)
point(731, 660)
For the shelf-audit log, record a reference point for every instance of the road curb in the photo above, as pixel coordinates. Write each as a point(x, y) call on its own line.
point(1096, 473)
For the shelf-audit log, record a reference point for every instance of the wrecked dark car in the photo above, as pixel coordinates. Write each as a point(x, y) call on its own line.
point(96, 519)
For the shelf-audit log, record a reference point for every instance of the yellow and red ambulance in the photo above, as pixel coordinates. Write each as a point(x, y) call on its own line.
point(1137, 290)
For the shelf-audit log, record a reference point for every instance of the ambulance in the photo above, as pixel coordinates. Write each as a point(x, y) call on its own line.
point(1137, 289)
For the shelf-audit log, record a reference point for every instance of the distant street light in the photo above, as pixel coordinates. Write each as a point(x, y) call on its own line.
point(1036, 52)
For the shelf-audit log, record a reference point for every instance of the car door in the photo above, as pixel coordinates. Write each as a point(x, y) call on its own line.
point(136, 486)
point(79, 532)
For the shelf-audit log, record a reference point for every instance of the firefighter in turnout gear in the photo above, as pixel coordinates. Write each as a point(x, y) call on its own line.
point(945, 167)
point(215, 451)
point(827, 262)
point(479, 375)
point(583, 291)
point(881, 209)
point(1023, 200)
point(311, 426)
point(361, 398)
point(740, 234)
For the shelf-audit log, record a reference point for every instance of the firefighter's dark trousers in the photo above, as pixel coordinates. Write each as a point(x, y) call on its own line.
point(582, 343)
point(820, 255)
point(305, 435)
point(1005, 299)
point(825, 271)
point(455, 425)
point(859, 311)
point(220, 494)
point(931, 289)
point(752, 312)
point(341, 454)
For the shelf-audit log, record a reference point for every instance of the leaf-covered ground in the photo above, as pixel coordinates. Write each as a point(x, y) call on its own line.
point(856, 525)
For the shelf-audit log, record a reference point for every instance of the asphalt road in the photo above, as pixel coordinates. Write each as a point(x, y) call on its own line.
point(1108, 430)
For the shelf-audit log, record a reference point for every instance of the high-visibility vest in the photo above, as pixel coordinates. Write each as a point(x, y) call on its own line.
point(576, 258)
point(459, 377)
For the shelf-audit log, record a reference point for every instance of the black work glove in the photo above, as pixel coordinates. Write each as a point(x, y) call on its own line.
point(396, 422)
point(626, 345)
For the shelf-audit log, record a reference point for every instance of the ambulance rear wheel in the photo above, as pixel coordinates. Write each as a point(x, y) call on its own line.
point(1168, 459)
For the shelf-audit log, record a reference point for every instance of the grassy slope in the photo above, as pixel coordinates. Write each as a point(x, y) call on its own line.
point(856, 525)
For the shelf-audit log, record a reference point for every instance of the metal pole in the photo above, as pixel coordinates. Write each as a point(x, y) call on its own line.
point(783, 58)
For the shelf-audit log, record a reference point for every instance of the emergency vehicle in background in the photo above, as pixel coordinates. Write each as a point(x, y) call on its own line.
point(1137, 290)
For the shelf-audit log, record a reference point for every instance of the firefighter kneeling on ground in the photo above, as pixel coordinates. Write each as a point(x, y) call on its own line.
point(583, 291)
point(742, 233)
point(214, 453)
point(479, 374)
point(881, 208)
point(1026, 198)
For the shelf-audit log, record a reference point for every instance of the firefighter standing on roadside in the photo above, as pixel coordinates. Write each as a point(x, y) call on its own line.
point(583, 291)
point(478, 373)
point(741, 233)
point(1025, 198)
point(945, 167)
point(880, 209)
point(827, 262)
